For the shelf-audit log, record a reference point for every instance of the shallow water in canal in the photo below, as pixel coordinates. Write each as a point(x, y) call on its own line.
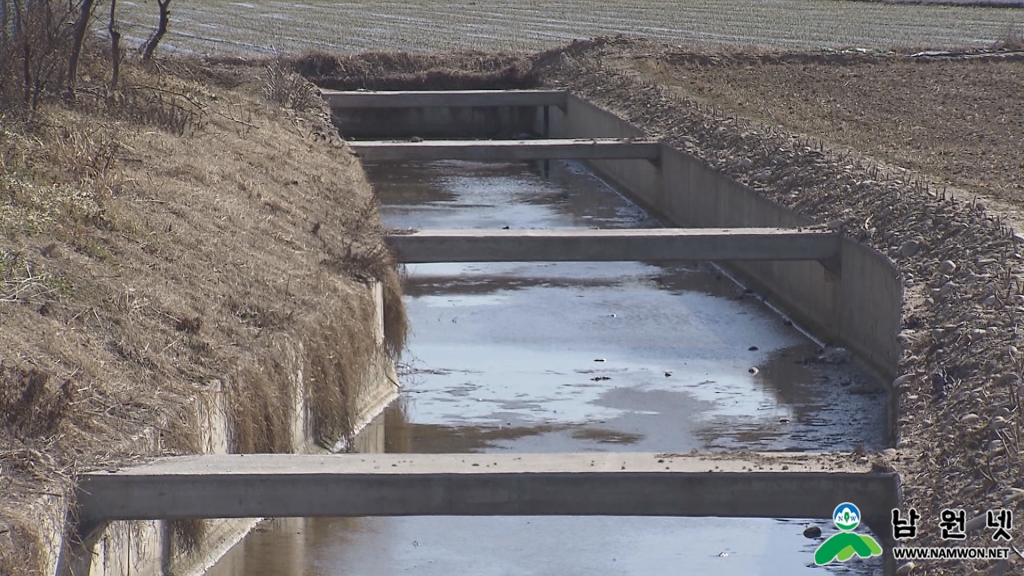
point(573, 357)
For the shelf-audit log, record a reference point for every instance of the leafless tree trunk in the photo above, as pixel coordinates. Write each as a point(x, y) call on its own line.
point(115, 46)
point(161, 29)
point(4, 21)
point(81, 27)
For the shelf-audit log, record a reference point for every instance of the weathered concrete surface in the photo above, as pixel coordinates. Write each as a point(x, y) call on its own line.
point(857, 305)
point(623, 484)
point(423, 99)
point(508, 150)
point(647, 245)
point(449, 122)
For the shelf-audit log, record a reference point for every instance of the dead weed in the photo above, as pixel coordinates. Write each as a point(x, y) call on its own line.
point(396, 70)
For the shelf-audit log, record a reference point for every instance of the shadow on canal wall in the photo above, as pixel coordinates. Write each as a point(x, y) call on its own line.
point(453, 123)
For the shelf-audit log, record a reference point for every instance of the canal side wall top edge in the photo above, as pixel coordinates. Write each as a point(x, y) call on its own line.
point(855, 302)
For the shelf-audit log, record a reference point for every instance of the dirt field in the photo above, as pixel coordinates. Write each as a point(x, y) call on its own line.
point(222, 26)
point(954, 122)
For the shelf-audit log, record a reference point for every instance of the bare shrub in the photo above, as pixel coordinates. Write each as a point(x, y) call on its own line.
point(1012, 40)
point(289, 89)
point(29, 406)
point(34, 53)
point(148, 106)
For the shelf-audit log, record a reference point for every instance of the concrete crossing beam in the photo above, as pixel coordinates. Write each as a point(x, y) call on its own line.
point(648, 245)
point(508, 150)
point(454, 98)
point(766, 485)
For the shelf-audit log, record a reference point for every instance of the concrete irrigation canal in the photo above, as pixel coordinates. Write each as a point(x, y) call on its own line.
point(572, 360)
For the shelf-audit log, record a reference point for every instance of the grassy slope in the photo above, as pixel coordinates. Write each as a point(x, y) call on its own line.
point(192, 231)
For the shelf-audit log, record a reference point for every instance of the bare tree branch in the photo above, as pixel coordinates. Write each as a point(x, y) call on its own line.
point(81, 27)
point(161, 29)
point(115, 46)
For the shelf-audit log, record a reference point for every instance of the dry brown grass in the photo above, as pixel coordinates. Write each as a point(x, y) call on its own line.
point(20, 547)
point(1012, 40)
point(467, 70)
point(180, 231)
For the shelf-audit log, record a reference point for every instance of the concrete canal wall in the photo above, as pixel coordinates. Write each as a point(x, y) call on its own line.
point(855, 301)
point(436, 122)
point(153, 548)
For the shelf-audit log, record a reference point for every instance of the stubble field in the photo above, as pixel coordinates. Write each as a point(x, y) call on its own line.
point(224, 26)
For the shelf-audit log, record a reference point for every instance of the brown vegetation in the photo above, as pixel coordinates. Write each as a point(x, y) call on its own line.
point(155, 240)
point(404, 71)
point(955, 121)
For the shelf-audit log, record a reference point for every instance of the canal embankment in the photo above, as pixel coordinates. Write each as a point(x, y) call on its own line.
point(196, 270)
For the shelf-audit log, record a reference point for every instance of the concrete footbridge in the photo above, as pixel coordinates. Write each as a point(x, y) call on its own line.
point(647, 245)
point(765, 485)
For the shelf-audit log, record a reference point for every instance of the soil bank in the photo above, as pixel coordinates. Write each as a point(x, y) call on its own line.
point(178, 236)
